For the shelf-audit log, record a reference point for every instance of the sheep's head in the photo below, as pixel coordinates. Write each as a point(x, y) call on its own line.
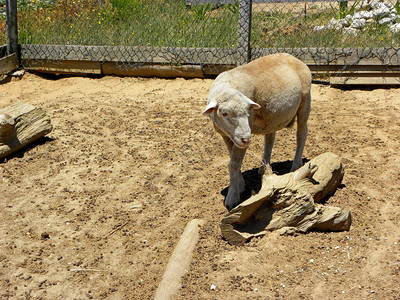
point(230, 110)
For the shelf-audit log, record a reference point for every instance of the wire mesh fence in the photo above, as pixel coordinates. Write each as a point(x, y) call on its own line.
point(133, 33)
point(345, 33)
point(129, 32)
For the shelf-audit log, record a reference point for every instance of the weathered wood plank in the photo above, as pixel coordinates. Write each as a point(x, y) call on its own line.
point(114, 68)
point(338, 56)
point(288, 203)
point(384, 69)
point(363, 80)
point(165, 71)
point(388, 74)
point(21, 124)
point(63, 66)
point(8, 63)
point(179, 262)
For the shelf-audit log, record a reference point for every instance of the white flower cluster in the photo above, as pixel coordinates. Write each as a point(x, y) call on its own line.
point(371, 12)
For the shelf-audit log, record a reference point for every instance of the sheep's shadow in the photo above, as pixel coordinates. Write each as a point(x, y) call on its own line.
point(253, 179)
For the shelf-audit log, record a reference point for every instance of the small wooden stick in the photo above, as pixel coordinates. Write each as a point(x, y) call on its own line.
point(86, 270)
point(116, 229)
point(179, 261)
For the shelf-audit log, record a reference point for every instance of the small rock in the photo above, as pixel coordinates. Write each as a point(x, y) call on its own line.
point(363, 15)
point(18, 73)
point(319, 28)
point(385, 21)
point(358, 23)
point(395, 28)
point(45, 236)
point(351, 30)
point(381, 12)
point(213, 287)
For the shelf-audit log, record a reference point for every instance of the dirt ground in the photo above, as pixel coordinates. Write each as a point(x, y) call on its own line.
point(95, 209)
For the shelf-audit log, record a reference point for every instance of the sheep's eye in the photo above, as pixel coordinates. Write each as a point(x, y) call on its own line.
point(224, 114)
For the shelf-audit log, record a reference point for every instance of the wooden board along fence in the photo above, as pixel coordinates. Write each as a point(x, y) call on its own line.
point(367, 65)
point(8, 63)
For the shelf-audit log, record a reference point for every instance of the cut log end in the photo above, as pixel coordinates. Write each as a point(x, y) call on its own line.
point(21, 124)
point(7, 128)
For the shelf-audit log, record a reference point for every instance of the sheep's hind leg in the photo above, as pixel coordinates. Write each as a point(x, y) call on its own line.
point(269, 140)
point(302, 131)
point(301, 141)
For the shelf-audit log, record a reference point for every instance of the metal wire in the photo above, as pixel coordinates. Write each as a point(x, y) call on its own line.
point(134, 33)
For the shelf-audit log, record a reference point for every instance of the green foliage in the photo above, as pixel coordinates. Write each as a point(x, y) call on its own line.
point(130, 23)
point(170, 23)
point(201, 10)
point(397, 7)
point(234, 8)
point(343, 11)
point(353, 8)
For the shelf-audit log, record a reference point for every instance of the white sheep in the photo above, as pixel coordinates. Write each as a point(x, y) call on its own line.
point(260, 97)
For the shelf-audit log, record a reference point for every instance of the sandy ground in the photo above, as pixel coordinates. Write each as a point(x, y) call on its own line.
point(95, 210)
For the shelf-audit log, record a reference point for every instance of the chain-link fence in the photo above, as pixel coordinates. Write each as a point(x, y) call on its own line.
point(329, 35)
point(340, 36)
point(129, 33)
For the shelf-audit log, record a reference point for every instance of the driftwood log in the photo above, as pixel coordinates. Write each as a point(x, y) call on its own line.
point(179, 262)
point(21, 124)
point(288, 203)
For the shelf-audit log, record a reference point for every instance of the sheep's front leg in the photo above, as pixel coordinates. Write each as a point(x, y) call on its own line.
point(236, 183)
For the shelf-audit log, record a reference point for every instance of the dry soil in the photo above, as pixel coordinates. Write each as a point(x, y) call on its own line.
point(94, 210)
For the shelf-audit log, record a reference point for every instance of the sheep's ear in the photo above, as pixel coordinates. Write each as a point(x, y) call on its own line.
point(253, 105)
point(210, 108)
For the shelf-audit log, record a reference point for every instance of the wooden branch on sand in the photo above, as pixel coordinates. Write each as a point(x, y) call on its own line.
point(288, 203)
point(179, 262)
point(21, 124)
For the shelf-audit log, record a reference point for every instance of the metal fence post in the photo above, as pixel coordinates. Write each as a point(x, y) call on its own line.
point(244, 31)
point(12, 31)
